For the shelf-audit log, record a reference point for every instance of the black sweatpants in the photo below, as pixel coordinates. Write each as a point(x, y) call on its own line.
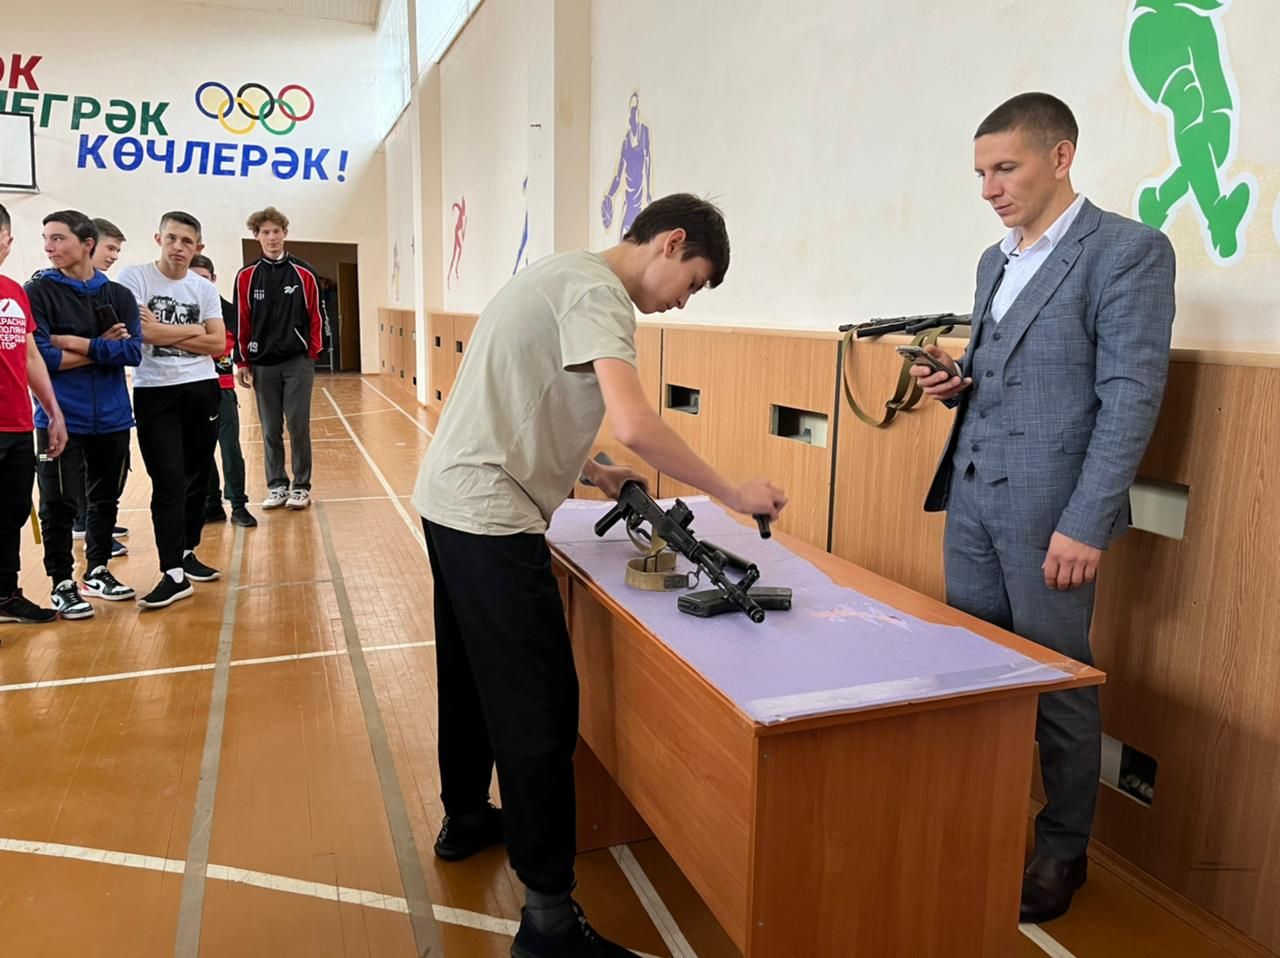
point(177, 430)
point(17, 473)
point(508, 694)
point(101, 462)
point(232, 457)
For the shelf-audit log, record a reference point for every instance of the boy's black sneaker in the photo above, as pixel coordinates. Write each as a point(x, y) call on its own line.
point(166, 593)
point(18, 608)
point(462, 836)
point(197, 570)
point(118, 549)
point(213, 512)
point(579, 940)
point(243, 517)
point(104, 585)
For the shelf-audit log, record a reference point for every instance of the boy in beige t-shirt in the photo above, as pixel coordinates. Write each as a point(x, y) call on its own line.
point(552, 353)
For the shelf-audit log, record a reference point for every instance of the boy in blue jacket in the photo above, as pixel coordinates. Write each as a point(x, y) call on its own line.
point(87, 330)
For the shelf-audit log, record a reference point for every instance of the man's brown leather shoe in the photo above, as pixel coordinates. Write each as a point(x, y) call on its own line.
point(1047, 887)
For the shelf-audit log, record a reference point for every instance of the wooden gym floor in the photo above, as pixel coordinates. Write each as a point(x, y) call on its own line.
point(251, 772)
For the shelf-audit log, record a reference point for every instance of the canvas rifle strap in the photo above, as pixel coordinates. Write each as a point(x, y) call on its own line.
point(905, 395)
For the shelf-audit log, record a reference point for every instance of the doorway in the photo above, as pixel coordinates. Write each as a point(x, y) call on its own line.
point(336, 269)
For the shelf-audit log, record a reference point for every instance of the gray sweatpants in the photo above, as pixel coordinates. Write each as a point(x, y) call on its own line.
point(283, 393)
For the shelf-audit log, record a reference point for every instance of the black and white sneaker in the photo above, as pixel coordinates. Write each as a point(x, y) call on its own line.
point(120, 532)
point(68, 603)
point(197, 570)
point(166, 593)
point(118, 549)
point(276, 497)
point(18, 608)
point(104, 585)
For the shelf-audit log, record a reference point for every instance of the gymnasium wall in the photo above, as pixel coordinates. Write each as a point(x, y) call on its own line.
point(143, 51)
point(839, 143)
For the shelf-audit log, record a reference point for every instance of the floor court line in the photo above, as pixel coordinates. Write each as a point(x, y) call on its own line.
point(413, 879)
point(1045, 941)
point(201, 667)
point(652, 903)
point(400, 408)
point(191, 906)
point(415, 529)
point(280, 883)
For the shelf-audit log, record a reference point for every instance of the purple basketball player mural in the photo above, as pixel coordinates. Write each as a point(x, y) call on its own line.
point(633, 174)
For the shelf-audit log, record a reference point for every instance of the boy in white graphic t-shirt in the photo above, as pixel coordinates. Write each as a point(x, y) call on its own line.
point(176, 399)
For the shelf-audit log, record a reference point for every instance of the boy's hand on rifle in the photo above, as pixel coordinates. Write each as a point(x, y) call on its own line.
point(609, 479)
point(758, 497)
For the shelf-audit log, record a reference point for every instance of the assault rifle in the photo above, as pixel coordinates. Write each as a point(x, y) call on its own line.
point(636, 507)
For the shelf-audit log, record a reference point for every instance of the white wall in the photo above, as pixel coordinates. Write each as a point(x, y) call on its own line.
point(401, 263)
point(838, 140)
point(166, 51)
point(839, 144)
point(484, 146)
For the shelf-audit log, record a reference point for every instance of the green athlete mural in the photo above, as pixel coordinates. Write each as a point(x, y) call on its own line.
point(1177, 59)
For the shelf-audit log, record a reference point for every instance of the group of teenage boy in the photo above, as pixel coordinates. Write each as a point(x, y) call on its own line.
point(66, 339)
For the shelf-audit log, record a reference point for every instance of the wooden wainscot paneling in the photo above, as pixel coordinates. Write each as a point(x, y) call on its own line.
point(1189, 631)
point(882, 475)
point(740, 376)
point(439, 358)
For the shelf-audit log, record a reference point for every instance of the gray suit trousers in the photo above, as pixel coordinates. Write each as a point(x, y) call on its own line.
point(994, 572)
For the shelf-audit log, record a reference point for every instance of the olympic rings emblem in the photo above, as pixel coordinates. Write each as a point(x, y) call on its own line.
point(255, 103)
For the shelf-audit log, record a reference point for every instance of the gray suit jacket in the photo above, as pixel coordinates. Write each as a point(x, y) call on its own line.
point(1084, 357)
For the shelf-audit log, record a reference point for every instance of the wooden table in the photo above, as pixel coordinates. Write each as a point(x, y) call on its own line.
point(895, 831)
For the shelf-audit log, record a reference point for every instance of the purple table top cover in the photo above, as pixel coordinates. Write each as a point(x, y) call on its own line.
point(836, 650)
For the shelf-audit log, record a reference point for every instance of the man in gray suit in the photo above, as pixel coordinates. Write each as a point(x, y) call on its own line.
point(1056, 398)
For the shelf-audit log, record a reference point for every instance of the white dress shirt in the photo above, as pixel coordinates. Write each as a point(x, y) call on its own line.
point(1021, 266)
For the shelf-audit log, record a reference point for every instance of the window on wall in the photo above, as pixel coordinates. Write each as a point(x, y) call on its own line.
point(393, 83)
point(439, 21)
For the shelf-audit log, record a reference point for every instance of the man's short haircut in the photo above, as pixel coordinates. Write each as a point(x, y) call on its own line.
point(269, 215)
point(6, 224)
point(186, 219)
point(200, 261)
point(1042, 117)
point(108, 229)
point(79, 224)
point(702, 222)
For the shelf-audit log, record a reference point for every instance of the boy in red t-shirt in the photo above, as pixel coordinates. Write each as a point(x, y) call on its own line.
point(21, 369)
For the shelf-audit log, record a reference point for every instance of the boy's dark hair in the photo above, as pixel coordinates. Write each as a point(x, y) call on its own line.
point(1042, 116)
point(107, 228)
point(186, 219)
point(200, 261)
point(5, 222)
point(703, 225)
point(79, 224)
point(269, 215)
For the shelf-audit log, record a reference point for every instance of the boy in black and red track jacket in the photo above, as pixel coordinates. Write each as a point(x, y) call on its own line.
point(277, 303)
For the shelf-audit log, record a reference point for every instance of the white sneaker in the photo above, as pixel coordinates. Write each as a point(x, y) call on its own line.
point(276, 498)
point(299, 499)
